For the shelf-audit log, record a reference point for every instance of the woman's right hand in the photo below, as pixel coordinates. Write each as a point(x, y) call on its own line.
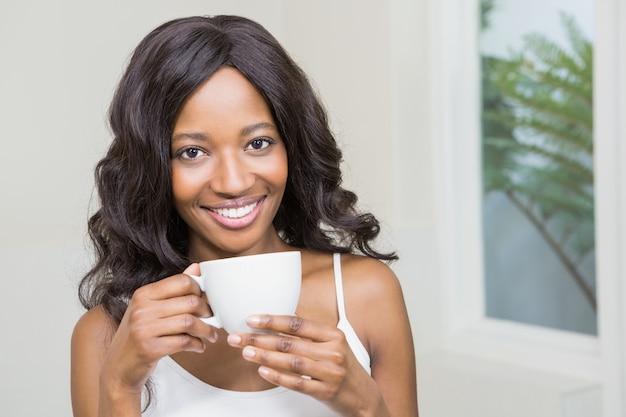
point(162, 318)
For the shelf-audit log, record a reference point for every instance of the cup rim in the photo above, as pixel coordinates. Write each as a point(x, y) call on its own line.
point(244, 257)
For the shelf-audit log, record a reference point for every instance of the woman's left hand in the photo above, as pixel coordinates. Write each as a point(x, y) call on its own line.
point(312, 358)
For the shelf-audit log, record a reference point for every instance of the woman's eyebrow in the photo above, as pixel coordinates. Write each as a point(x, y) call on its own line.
point(189, 135)
point(257, 126)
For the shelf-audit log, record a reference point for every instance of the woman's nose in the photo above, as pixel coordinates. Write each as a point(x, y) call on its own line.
point(232, 176)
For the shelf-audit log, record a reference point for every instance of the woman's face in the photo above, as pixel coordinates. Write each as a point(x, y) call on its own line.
point(229, 168)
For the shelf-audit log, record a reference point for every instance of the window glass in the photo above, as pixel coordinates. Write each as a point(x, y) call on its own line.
point(537, 153)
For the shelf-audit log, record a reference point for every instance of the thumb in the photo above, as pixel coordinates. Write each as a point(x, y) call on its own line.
point(193, 269)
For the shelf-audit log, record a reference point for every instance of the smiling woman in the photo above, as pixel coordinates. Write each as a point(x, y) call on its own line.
point(222, 149)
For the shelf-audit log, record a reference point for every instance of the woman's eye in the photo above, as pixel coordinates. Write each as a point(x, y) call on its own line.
point(259, 144)
point(191, 153)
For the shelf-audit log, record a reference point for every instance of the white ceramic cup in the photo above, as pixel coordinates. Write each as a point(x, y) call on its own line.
point(238, 287)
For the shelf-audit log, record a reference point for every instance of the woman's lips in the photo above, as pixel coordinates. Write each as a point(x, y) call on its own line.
point(236, 215)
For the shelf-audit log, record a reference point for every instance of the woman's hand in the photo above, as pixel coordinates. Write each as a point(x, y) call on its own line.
point(162, 318)
point(311, 358)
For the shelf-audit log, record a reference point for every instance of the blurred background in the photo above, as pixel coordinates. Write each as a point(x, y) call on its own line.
point(472, 129)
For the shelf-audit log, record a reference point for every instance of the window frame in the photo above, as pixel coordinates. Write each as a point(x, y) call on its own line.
point(455, 104)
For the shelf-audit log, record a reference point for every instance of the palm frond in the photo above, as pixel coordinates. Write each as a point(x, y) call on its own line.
point(538, 140)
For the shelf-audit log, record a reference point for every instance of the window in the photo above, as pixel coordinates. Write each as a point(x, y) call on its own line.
point(537, 162)
point(456, 114)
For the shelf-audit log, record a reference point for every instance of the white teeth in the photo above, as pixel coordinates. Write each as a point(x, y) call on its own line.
point(235, 213)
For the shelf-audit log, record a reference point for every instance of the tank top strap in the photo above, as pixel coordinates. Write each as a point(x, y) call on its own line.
point(341, 307)
point(343, 324)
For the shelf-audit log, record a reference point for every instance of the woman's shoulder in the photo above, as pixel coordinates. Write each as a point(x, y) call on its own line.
point(90, 341)
point(357, 270)
point(373, 299)
point(369, 274)
point(94, 327)
point(364, 279)
point(376, 308)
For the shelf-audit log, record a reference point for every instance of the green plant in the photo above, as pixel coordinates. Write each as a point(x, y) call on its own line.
point(538, 141)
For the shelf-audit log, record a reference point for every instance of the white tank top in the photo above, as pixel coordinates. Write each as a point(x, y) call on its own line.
point(180, 394)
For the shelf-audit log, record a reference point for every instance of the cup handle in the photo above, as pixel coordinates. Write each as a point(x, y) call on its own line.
point(211, 321)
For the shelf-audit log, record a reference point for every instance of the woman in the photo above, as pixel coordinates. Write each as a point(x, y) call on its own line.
point(221, 148)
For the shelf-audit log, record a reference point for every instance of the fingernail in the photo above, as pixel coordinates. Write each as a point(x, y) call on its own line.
point(253, 320)
point(264, 371)
point(248, 352)
point(212, 337)
point(234, 339)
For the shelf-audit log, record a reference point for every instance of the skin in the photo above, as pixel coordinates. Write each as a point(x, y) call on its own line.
point(227, 153)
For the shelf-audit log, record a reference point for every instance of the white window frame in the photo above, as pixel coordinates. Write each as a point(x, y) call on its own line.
point(455, 100)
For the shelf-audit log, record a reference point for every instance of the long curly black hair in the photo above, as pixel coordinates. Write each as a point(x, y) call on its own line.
point(137, 234)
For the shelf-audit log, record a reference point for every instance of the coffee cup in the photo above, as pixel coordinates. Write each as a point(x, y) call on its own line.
point(242, 286)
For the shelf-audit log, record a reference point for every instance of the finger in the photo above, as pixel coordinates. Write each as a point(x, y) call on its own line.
point(296, 364)
point(147, 333)
point(300, 383)
point(295, 326)
point(193, 269)
point(191, 304)
point(158, 338)
point(187, 324)
point(143, 312)
point(168, 345)
point(170, 287)
point(292, 364)
point(285, 344)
